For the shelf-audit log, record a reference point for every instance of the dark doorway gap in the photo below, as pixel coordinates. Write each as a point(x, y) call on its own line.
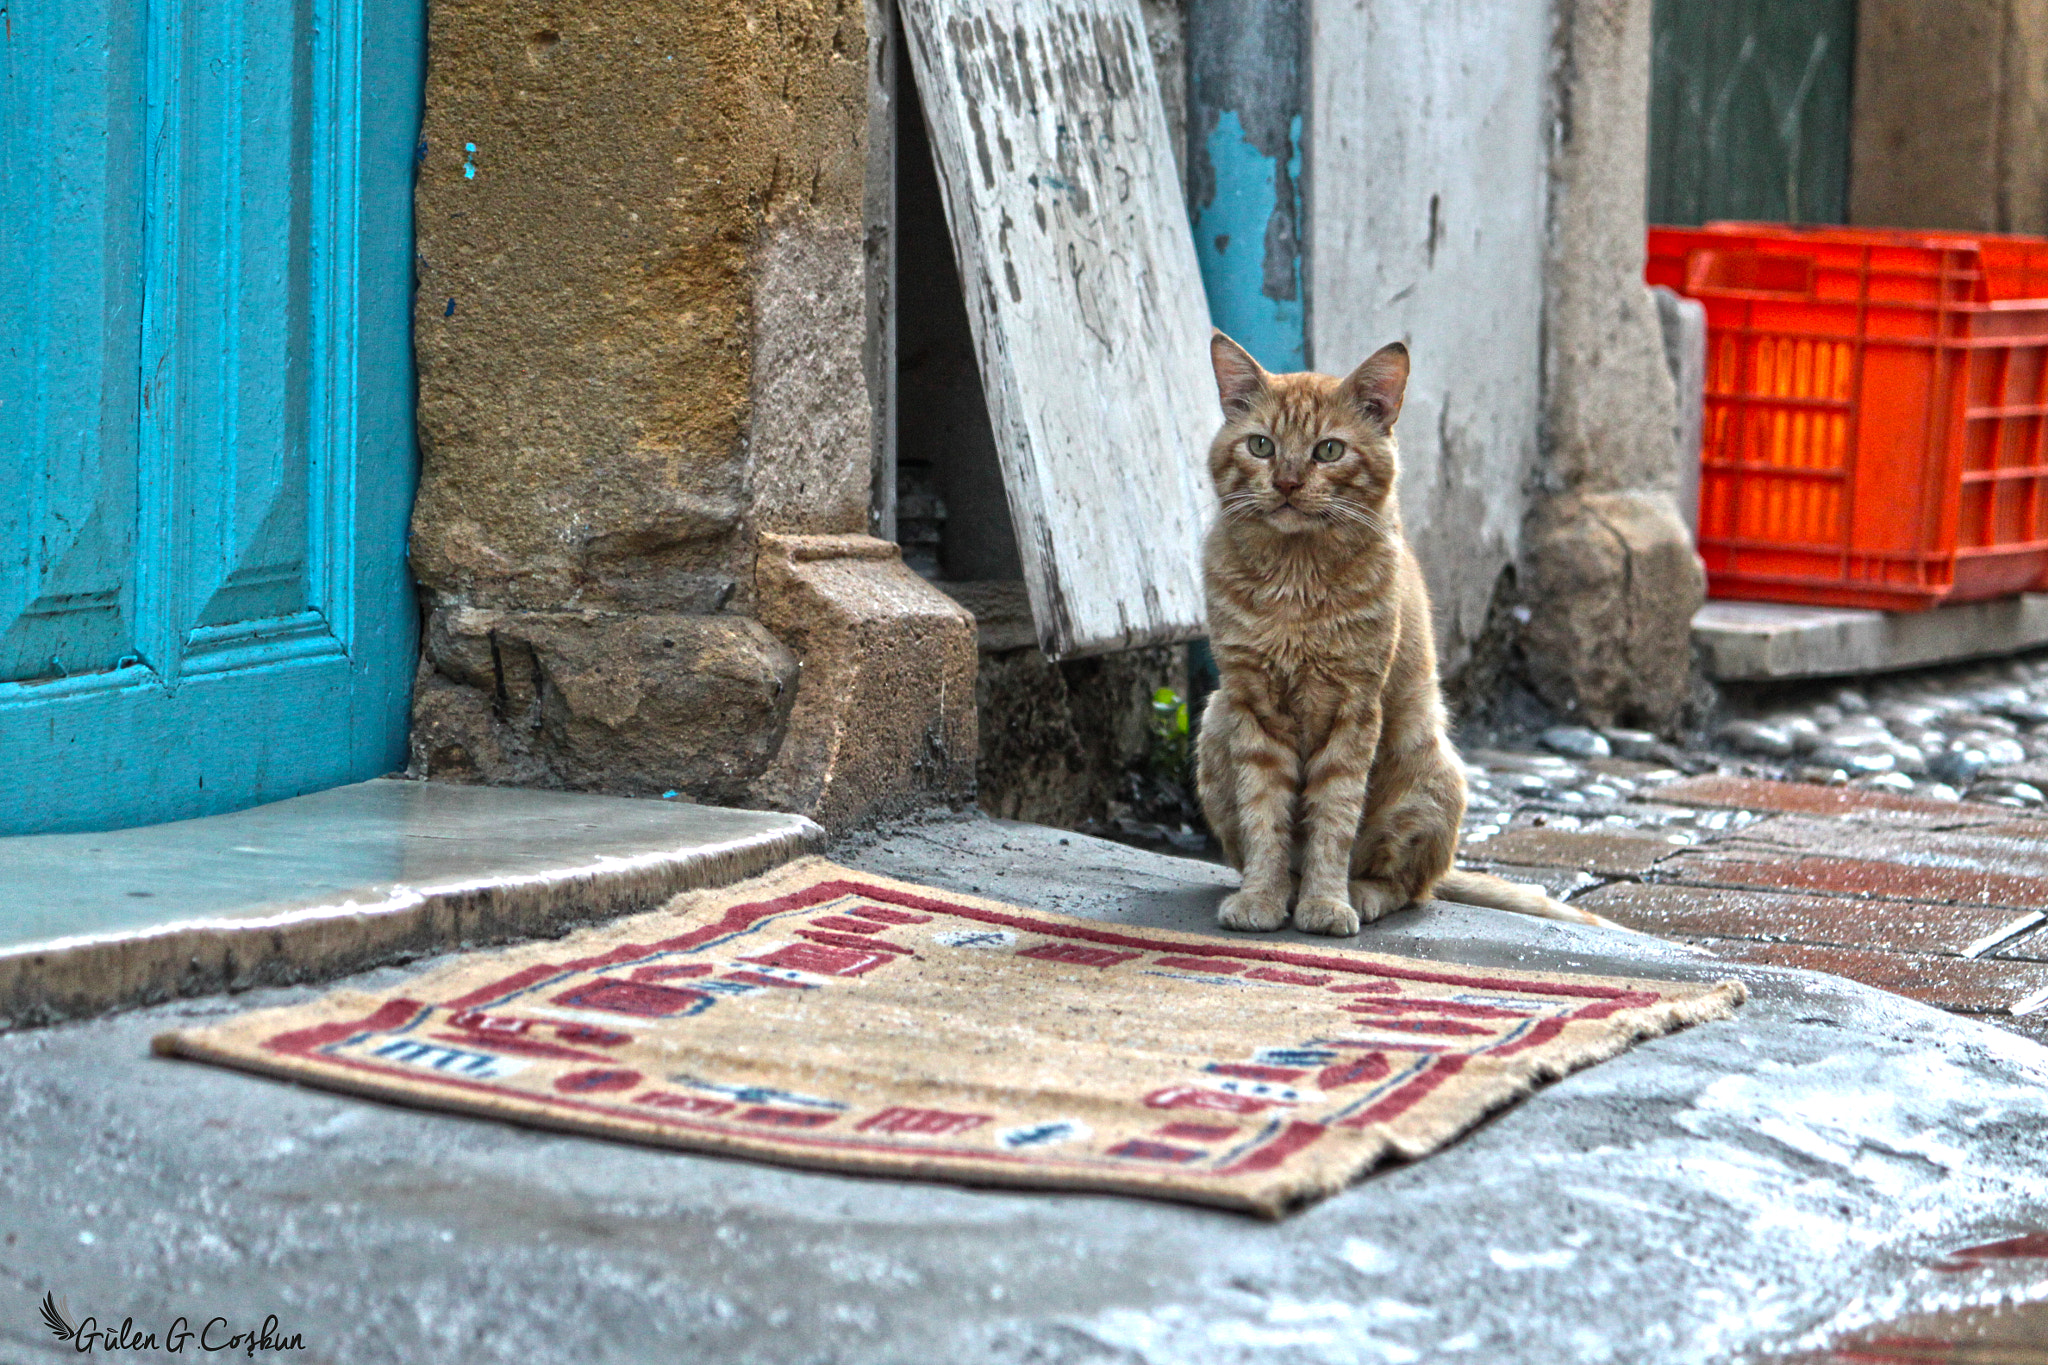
point(952, 509)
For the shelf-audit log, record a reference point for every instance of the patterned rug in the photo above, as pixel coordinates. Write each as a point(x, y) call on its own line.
point(828, 1018)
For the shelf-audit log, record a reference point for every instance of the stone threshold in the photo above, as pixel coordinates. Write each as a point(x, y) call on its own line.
point(1769, 641)
point(324, 885)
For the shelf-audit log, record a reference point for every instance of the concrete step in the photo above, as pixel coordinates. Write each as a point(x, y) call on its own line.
point(345, 879)
point(1767, 641)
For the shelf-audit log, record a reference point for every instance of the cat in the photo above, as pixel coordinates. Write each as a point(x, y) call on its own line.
point(1323, 754)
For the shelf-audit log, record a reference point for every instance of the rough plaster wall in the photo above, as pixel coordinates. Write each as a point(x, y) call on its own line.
point(639, 237)
point(1166, 33)
point(1951, 115)
point(583, 406)
point(1610, 401)
point(2023, 125)
point(809, 395)
point(1610, 577)
point(1426, 213)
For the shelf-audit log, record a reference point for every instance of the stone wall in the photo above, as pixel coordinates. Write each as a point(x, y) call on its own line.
point(645, 417)
point(652, 329)
point(1950, 127)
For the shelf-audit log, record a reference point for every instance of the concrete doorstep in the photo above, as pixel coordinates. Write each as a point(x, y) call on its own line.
point(1778, 641)
point(1758, 1185)
point(342, 880)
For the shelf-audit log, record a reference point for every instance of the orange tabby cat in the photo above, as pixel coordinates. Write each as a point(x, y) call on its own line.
point(1322, 752)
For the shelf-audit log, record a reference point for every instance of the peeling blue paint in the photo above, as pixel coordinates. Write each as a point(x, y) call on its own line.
point(1231, 233)
point(469, 161)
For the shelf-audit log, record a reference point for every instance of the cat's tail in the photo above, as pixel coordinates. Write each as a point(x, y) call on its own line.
point(1498, 893)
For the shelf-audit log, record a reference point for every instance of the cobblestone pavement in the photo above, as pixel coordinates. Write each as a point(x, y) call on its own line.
point(1924, 873)
point(1977, 733)
point(1894, 832)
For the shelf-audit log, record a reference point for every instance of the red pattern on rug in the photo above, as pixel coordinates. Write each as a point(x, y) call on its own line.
point(1341, 1043)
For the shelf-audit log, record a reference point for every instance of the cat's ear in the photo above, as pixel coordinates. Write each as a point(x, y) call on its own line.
point(1377, 386)
point(1239, 378)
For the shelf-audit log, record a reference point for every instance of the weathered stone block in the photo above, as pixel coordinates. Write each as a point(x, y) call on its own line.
point(597, 702)
point(1609, 574)
point(884, 715)
point(593, 201)
point(810, 442)
point(1614, 582)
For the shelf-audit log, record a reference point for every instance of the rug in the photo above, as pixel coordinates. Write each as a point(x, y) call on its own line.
point(828, 1018)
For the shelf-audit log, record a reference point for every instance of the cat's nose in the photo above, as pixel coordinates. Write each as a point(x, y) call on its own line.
point(1285, 481)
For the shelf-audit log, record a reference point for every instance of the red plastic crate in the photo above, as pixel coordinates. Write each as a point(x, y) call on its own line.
point(1876, 411)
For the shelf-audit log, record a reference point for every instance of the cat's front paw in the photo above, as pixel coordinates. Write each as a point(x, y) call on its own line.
point(1326, 915)
point(1374, 900)
point(1252, 911)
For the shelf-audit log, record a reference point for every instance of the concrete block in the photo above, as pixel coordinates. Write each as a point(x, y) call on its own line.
point(884, 715)
point(1609, 573)
point(1684, 324)
point(322, 885)
point(594, 701)
point(1759, 641)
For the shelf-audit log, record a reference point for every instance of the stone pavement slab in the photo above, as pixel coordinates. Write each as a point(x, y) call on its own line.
point(1627, 853)
point(343, 879)
point(1693, 912)
point(1966, 986)
point(1856, 877)
point(1938, 901)
point(1754, 794)
point(1752, 1185)
point(1776, 641)
point(2017, 847)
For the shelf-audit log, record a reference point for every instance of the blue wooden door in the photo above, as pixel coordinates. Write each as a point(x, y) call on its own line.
point(206, 448)
point(1749, 110)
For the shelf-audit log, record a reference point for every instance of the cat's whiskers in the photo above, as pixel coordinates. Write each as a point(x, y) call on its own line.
point(1339, 510)
point(1241, 504)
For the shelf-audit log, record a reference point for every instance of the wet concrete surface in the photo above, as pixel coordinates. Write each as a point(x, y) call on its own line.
point(363, 846)
point(1747, 1189)
point(317, 886)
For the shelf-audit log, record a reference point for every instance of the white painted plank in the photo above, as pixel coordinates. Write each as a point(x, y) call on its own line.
point(1089, 319)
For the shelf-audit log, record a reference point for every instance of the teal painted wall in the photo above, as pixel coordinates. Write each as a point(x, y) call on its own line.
point(1231, 244)
point(1244, 172)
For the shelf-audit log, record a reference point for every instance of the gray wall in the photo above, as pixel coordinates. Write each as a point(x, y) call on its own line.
point(1426, 194)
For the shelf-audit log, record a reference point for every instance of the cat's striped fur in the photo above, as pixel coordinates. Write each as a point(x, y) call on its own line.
point(1323, 764)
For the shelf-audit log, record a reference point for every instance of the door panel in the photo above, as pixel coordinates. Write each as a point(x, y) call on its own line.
point(70, 307)
point(1090, 325)
point(213, 609)
point(1749, 110)
point(234, 328)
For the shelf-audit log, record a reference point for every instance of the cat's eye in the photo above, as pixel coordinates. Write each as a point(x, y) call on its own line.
point(1261, 447)
point(1329, 452)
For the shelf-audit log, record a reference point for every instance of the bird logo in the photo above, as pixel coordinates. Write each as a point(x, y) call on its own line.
point(54, 1316)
